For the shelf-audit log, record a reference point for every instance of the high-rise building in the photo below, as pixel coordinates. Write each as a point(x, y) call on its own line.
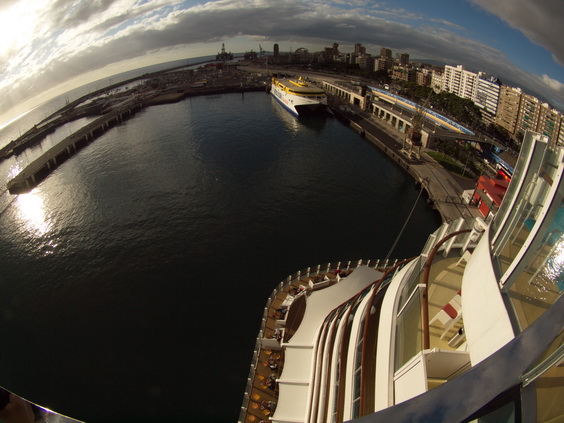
point(276, 50)
point(384, 63)
point(529, 113)
point(365, 61)
point(359, 49)
point(332, 53)
point(461, 82)
point(385, 53)
point(550, 124)
point(508, 108)
point(403, 59)
point(518, 112)
point(487, 96)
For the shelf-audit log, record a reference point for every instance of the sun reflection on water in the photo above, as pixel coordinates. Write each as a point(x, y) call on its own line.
point(32, 210)
point(14, 170)
point(554, 269)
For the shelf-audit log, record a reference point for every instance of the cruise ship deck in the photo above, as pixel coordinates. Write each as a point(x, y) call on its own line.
point(469, 330)
point(279, 326)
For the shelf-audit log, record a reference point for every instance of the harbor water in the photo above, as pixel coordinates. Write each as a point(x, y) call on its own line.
point(133, 279)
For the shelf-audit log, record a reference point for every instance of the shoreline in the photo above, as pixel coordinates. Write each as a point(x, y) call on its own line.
point(443, 190)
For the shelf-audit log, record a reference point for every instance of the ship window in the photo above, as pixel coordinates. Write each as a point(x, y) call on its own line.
point(528, 241)
point(409, 330)
point(336, 387)
point(545, 382)
point(357, 380)
point(503, 409)
point(539, 279)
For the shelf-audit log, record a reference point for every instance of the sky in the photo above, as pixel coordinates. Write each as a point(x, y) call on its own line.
point(48, 47)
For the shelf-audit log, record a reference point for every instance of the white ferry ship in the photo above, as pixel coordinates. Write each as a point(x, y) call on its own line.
point(298, 96)
point(471, 330)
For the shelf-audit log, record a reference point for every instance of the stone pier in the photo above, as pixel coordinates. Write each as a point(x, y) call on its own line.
point(39, 169)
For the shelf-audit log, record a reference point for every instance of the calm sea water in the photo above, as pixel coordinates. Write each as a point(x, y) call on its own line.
point(133, 278)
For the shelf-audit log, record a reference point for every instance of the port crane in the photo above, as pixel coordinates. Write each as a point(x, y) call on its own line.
point(414, 132)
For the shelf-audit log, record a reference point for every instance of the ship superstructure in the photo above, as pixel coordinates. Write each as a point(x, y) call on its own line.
point(299, 97)
point(469, 330)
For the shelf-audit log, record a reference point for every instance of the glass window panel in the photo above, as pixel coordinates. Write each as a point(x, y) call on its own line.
point(538, 281)
point(356, 408)
point(409, 333)
point(523, 214)
point(358, 361)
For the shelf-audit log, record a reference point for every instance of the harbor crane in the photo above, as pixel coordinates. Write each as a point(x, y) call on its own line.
point(414, 133)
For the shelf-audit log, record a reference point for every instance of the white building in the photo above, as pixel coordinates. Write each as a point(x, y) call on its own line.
point(487, 96)
point(437, 78)
point(461, 82)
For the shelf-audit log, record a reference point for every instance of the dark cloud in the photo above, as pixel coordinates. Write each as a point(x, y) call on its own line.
point(539, 20)
point(70, 13)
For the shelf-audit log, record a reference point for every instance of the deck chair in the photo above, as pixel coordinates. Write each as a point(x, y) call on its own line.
point(449, 314)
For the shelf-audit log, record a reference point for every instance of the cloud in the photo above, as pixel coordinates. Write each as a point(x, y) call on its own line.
point(538, 20)
point(553, 83)
point(80, 36)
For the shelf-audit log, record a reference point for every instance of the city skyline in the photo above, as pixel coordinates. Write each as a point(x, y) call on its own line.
point(46, 44)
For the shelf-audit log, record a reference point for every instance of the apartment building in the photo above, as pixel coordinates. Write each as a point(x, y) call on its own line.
point(402, 59)
point(529, 113)
point(437, 80)
point(518, 112)
point(385, 53)
point(487, 96)
point(404, 73)
point(423, 77)
point(460, 81)
point(365, 61)
point(550, 124)
point(359, 49)
point(383, 63)
point(508, 108)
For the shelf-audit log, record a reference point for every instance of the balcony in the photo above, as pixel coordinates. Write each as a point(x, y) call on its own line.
point(424, 363)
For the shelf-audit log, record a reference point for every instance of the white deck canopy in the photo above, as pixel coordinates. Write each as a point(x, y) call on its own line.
point(294, 382)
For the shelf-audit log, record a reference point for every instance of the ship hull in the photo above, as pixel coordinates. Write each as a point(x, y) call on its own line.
point(306, 102)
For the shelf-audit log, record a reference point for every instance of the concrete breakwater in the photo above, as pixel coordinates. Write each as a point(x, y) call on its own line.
point(36, 171)
point(39, 169)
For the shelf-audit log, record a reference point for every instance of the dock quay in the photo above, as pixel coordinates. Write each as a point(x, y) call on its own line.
point(442, 189)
